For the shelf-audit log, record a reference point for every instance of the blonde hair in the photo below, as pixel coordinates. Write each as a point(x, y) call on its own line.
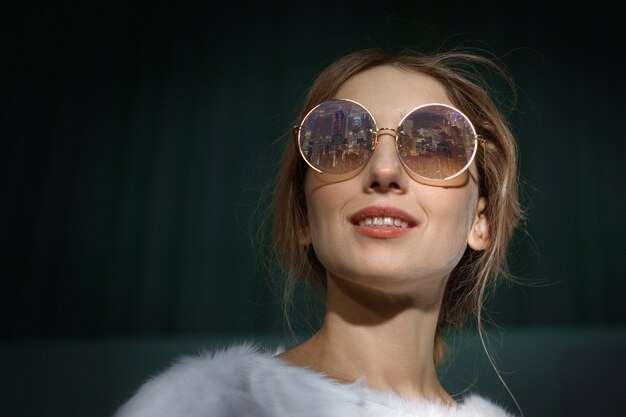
point(460, 73)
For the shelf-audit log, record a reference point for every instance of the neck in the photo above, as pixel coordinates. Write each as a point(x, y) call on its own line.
point(387, 339)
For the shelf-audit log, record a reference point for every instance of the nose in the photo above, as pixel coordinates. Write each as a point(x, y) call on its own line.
point(384, 171)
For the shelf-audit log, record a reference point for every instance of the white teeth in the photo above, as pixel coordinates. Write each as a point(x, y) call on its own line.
point(384, 221)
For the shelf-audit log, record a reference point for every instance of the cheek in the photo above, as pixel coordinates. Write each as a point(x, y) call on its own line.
point(316, 222)
point(323, 236)
point(323, 211)
point(450, 216)
point(328, 227)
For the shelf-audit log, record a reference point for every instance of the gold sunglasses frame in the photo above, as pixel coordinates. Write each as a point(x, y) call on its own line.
point(387, 131)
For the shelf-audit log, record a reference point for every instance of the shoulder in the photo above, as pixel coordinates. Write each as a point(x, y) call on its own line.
point(194, 384)
point(389, 403)
point(237, 381)
point(477, 406)
point(244, 380)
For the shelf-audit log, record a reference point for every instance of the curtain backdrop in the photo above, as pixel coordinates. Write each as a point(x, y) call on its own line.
point(137, 141)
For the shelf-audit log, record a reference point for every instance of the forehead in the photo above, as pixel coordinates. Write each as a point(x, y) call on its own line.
point(390, 92)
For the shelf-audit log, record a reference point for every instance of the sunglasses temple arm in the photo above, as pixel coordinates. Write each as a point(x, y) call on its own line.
point(483, 143)
point(295, 131)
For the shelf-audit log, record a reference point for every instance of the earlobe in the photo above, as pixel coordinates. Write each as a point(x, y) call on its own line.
point(479, 236)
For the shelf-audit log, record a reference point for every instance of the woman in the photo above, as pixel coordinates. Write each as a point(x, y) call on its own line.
point(398, 196)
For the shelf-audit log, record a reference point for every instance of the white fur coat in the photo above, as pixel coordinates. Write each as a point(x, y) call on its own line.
point(244, 381)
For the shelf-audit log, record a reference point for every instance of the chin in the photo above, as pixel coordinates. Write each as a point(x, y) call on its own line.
point(394, 281)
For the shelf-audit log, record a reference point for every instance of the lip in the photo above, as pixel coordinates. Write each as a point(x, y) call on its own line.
point(382, 232)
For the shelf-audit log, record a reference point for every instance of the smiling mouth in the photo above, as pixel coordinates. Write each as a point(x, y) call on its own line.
point(384, 222)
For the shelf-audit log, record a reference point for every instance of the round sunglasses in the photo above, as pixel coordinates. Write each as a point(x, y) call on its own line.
point(435, 142)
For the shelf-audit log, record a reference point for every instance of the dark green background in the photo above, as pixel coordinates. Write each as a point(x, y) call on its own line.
point(137, 139)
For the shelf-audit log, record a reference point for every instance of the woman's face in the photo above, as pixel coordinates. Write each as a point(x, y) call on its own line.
point(436, 223)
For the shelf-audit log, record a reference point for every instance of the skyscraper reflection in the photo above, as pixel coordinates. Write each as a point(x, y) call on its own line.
point(434, 141)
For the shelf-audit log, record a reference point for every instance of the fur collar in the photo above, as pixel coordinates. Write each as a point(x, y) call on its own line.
point(243, 380)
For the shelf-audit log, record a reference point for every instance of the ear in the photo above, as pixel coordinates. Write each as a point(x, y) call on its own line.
point(479, 237)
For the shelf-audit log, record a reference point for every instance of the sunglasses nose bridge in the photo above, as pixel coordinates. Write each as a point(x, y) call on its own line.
point(379, 134)
point(384, 131)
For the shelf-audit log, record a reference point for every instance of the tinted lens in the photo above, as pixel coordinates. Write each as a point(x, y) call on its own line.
point(436, 142)
point(336, 137)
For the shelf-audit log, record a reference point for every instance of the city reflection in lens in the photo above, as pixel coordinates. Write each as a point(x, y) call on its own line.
point(436, 141)
point(336, 137)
